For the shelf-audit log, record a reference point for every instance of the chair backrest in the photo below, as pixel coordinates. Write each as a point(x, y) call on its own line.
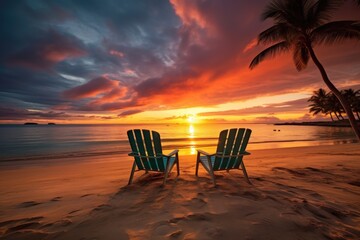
point(147, 150)
point(232, 142)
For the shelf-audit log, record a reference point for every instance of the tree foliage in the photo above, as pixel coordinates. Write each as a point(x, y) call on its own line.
point(325, 103)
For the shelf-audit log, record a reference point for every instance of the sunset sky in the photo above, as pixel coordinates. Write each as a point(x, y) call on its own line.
point(155, 61)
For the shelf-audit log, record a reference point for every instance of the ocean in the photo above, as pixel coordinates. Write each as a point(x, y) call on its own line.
point(26, 142)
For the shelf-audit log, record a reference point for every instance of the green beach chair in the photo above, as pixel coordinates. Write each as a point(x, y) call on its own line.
point(229, 154)
point(147, 152)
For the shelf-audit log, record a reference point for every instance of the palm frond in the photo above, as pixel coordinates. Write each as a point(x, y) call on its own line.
point(274, 10)
point(291, 12)
point(301, 55)
point(275, 49)
point(320, 11)
point(334, 32)
point(276, 33)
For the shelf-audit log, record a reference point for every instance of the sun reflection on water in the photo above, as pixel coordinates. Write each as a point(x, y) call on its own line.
point(191, 131)
point(192, 142)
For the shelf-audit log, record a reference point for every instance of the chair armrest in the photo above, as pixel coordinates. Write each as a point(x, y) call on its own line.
point(172, 153)
point(205, 153)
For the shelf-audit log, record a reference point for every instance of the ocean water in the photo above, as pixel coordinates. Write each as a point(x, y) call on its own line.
point(61, 141)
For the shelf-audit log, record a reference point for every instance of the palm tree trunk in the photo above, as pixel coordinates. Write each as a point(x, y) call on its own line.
point(336, 92)
point(332, 119)
point(337, 116)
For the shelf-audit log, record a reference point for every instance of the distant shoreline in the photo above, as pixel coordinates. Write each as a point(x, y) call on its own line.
point(320, 123)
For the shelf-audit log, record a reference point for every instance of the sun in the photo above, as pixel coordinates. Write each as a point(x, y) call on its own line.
point(191, 118)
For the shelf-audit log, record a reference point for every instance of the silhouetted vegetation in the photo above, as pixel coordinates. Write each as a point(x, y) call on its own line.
point(328, 104)
point(298, 27)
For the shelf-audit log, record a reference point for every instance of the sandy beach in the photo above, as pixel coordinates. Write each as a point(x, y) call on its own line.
point(297, 193)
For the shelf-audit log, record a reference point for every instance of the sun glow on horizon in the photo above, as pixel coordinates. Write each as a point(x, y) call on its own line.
point(191, 131)
point(191, 138)
point(191, 118)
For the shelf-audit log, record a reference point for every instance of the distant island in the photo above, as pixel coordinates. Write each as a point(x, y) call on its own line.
point(34, 123)
point(344, 123)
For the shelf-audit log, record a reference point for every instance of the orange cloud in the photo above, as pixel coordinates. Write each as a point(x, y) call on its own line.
point(250, 45)
point(188, 12)
point(92, 88)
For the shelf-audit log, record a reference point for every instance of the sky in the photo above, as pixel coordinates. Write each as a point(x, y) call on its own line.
point(158, 61)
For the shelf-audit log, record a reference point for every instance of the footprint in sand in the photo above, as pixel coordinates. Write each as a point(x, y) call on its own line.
point(11, 222)
point(61, 223)
point(195, 202)
point(27, 234)
point(28, 204)
point(102, 207)
point(175, 234)
point(87, 195)
point(29, 225)
point(166, 228)
point(74, 211)
point(56, 199)
point(355, 183)
point(293, 172)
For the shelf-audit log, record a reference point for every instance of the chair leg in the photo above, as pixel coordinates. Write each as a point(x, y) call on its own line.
point(165, 177)
point(132, 173)
point(197, 164)
point(245, 173)
point(177, 164)
point(167, 170)
point(213, 178)
point(176, 161)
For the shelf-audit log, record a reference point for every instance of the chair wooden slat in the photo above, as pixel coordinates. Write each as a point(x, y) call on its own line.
point(158, 150)
point(140, 144)
point(243, 147)
point(220, 148)
point(236, 148)
point(134, 149)
point(149, 150)
point(228, 149)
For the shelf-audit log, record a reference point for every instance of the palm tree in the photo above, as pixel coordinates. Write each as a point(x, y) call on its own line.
point(299, 26)
point(357, 105)
point(335, 106)
point(319, 103)
point(353, 97)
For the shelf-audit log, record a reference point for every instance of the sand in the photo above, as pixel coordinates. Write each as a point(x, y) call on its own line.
point(297, 193)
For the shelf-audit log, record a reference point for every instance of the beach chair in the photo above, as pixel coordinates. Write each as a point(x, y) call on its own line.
point(229, 154)
point(148, 156)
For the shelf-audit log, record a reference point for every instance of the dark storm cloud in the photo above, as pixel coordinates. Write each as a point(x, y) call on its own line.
point(7, 113)
point(48, 48)
point(29, 89)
